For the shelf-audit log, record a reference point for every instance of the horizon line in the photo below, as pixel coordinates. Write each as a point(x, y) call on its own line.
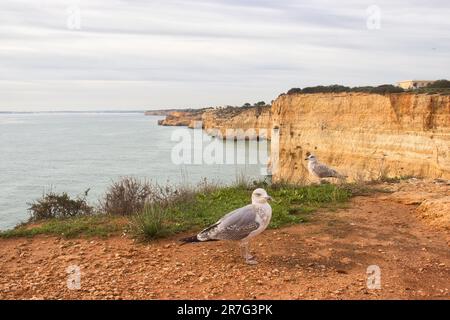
point(88, 111)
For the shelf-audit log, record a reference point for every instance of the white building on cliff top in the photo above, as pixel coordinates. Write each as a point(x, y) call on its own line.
point(413, 84)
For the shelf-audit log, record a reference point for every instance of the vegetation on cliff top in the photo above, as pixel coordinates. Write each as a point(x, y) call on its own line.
point(231, 111)
point(383, 89)
point(443, 83)
point(438, 87)
point(168, 210)
point(53, 205)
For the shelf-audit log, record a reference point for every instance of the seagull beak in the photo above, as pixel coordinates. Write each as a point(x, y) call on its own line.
point(269, 198)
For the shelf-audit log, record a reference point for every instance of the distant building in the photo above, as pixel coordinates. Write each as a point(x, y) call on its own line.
point(413, 84)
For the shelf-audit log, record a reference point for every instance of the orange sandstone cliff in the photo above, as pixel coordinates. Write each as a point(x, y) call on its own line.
point(244, 123)
point(241, 122)
point(363, 135)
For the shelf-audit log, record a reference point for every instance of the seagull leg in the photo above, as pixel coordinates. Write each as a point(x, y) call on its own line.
point(242, 249)
point(249, 259)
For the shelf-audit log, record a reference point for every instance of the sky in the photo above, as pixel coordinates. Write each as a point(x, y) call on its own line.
point(144, 54)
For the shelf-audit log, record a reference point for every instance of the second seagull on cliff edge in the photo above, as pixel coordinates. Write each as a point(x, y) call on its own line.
point(320, 170)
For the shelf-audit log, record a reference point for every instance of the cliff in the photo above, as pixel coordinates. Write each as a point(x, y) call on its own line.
point(245, 123)
point(216, 121)
point(182, 117)
point(161, 112)
point(364, 135)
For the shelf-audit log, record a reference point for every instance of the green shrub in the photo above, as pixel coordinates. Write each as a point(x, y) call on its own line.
point(386, 88)
point(54, 205)
point(325, 89)
point(126, 196)
point(294, 91)
point(440, 84)
point(260, 104)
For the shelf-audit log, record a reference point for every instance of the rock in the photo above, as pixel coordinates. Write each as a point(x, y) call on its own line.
point(345, 260)
point(182, 118)
point(411, 198)
point(436, 212)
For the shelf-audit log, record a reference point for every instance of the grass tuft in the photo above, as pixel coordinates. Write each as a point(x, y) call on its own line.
point(151, 223)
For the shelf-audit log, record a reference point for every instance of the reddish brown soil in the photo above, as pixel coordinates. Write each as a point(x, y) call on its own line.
point(325, 258)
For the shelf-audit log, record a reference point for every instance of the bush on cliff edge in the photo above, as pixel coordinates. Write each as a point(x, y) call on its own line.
point(54, 205)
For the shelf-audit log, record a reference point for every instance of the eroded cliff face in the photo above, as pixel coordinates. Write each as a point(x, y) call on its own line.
point(245, 123)
point(365, 136)
point(182, 118)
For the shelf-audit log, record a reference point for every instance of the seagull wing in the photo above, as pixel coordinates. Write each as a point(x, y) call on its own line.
point(236, 225)
point(322, 171)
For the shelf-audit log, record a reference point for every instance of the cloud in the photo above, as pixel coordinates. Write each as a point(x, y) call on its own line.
point(168, 52)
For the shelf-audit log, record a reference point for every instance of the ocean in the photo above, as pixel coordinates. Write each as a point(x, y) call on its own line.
point(72, 152)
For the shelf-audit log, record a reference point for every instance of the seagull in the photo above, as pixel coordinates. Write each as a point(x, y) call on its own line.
point(320, 170)
point(241, 224)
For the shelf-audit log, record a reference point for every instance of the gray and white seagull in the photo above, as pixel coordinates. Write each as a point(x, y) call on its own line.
point(241, 224)
point(320, 170)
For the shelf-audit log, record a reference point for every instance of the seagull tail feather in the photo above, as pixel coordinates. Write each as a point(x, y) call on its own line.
point(339, 175)
point(193, 239)
point(189, 240)
point(204, 236)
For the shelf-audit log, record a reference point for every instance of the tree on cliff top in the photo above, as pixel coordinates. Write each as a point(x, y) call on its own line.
point(294, 91)
point(443, 83)
point(386, 88)
point(335, 88)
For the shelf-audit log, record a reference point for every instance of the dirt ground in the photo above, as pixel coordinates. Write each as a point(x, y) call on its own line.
point(326, 258)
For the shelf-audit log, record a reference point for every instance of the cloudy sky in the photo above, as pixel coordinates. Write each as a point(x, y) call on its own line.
point(145, 54)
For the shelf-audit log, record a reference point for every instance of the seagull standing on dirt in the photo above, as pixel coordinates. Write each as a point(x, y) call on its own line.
point(320, 170)
point(241, 224)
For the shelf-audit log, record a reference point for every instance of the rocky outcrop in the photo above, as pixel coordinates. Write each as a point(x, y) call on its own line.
point(365, 136)
point(158, 112)
point(182, 118)
point(431, 199)
point(241, 123)
point(436, 212)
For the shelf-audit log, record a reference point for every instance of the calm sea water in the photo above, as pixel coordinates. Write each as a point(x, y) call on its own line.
point(75, 151)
